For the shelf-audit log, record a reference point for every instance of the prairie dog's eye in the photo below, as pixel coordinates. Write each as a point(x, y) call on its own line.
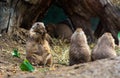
point(37, 24)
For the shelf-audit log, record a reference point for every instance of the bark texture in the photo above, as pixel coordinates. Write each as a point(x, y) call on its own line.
point(81, 11)
point(23, 13)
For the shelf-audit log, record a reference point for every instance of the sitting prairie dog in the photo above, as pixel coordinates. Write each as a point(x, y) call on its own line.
point(38, 51)
point(105, 47)
point(79, 50)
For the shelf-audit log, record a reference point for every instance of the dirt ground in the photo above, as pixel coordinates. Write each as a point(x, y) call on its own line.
point(9, 65)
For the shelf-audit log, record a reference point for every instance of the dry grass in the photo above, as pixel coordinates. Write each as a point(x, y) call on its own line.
point(116, 3)
point(60, 51)
point(117, 48)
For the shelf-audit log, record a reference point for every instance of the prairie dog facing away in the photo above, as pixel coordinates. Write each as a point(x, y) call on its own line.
point(38, 51)
point(105, 47)
point(79, 50)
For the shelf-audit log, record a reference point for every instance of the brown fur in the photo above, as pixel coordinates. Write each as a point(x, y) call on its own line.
point(79, 49)
point(61, 31)
point(37, 47)
point(104, 48)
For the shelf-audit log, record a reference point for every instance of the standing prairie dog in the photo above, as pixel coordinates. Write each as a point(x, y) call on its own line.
point(79, 49)
point(105, 47)
point(38, 51)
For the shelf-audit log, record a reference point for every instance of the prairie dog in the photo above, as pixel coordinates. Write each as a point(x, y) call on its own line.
point(38, 51)
point(104, 48)
point(61, 31)
point(79, 49)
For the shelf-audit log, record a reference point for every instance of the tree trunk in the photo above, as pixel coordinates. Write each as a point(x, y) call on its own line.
point(23, 13)
point(81, 12)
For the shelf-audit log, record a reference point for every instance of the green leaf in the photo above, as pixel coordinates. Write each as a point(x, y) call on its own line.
point(118, 35)
point(26, 66)
point(15, 53)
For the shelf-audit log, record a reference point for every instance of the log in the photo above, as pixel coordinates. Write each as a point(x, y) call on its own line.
point(23, 13)
point(81, 12)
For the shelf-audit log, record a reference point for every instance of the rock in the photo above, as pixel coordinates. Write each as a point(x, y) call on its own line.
point(105, 68)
